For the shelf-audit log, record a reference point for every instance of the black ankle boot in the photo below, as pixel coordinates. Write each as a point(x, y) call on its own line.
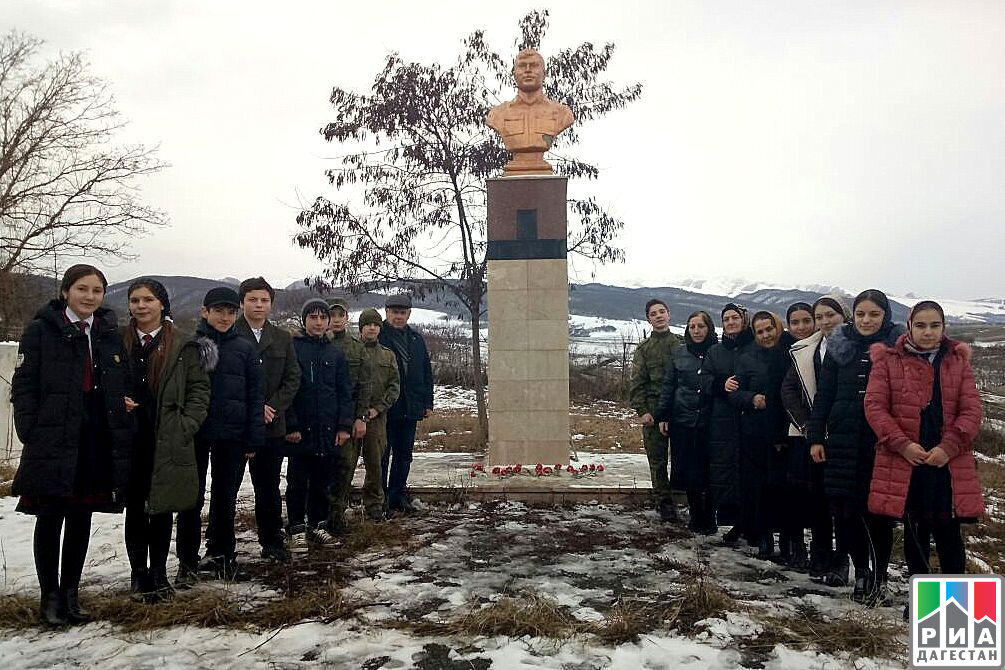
point(159, 588)
point(52, 609)
point(798, 560)
point(865, 587)
point(139, 583)
point(766, 547)
point(732, 537)
point(75, 614)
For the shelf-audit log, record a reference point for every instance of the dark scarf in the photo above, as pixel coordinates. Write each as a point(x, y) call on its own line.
point(699, 349)
point(743, 338)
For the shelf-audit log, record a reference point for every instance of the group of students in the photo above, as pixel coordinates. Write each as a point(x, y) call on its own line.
point(134, 417)
point(843, 423)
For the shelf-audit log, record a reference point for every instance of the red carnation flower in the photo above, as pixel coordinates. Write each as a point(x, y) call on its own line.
point(496, 470)
point(547, 471)
point(570, 469)
point(583, 469)
point(600, 468)
point(592, 467)
point(517, 468)
point(558, 466)
point(474, 474)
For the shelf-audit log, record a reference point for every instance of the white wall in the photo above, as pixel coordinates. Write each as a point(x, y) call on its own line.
point(10, 447)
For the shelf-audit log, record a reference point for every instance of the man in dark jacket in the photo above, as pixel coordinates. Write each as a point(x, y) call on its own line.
point(318, 423)
point(282, 378)
point(233, 431)
point(415, 400)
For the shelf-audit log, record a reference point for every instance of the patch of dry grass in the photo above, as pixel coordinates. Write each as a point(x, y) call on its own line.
point(453, 431)
point(511, 616)
point(607, 434)
point(6, 478)
point(857, 634)
point(18, 610)
point(700, 599)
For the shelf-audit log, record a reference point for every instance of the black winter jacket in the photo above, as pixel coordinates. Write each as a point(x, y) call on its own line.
point(324, 404)
point(48, 401)
point(414, 372)
point(237, 395)
point(838, 417)
point(724, 420)
point(279, 365)
point(761, 371)
point(686, 398)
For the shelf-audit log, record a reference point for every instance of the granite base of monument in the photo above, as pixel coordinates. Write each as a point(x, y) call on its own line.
point(528, 300)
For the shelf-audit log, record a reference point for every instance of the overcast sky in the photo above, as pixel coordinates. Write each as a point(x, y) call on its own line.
point(849, 143)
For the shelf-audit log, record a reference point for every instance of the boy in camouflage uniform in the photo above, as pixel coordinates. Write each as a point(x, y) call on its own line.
point(649, 364)
point(373, 373)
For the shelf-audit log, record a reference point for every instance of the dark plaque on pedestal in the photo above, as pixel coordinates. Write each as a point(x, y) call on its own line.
point(526, 218)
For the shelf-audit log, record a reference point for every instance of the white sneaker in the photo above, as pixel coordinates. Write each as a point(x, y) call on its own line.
point(320, 536)
point(298, 543)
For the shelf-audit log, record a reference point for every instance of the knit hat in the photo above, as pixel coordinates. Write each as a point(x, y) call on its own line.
point(399, 300)
point(369, 316)
point(157, 289)
point(341, 303)
point(314, 305)
point(221, 295)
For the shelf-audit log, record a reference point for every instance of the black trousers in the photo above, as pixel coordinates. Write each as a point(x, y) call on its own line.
point(227, 459)
point(266, 470)
point(148, 538)
point(75, 527)
point(918, 536)
point(867, 539)
point(821, 522)
point(397, 460)
point(308, 483)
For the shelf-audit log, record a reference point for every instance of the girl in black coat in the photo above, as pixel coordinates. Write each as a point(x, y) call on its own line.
point(763, 426)
point(724, 420)
point(684, 415)
point(68, 394)
point(806, 477)
point(840, 437)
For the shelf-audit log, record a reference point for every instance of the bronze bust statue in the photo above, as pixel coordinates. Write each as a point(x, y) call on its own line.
point(529, 122)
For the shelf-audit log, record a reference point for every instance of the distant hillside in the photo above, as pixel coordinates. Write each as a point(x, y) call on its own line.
point(592, 299)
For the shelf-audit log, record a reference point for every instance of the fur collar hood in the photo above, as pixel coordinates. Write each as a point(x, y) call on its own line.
point(843, 346)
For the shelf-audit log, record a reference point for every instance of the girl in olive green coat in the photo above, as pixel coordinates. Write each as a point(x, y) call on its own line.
point(170, 397)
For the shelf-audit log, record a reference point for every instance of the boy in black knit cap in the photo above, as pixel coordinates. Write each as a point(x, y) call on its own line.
point(318, 423)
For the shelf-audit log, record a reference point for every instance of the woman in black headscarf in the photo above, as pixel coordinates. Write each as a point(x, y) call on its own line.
point(724, 420)
point(684, 416)
point(841, 438)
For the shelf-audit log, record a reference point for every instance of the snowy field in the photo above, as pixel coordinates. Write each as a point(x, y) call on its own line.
point(592, 563)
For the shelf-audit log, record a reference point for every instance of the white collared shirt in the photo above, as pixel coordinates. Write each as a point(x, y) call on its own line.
point(823, 347)
point(257, 332)
point(74, 319)
point(152, 334)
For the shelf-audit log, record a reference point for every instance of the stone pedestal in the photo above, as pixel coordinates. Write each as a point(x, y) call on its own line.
point(528, 303)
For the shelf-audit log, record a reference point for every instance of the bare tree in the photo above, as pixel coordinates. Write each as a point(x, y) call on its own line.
point(413, 180)
point(65, 187)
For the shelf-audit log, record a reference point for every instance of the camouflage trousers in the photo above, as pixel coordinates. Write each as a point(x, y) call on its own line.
point(658, 453)
point(371, 446)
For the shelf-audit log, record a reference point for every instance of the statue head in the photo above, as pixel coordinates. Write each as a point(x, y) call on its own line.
point(528, 70)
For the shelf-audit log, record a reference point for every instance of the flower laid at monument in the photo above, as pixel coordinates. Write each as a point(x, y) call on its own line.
point(539, 470)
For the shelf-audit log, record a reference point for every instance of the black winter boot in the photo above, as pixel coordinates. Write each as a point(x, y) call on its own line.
point(139, 584)
point(75, 614)
point(766, 547)
point(52, 609)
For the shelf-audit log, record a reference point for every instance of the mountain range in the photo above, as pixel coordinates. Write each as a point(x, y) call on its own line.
point(588, 299)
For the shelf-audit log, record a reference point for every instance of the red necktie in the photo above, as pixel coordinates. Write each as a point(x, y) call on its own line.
point(88, 363)
point(147, 339)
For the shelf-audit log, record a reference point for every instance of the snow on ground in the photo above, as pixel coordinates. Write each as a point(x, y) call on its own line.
point(453, 398)
point(459, 558)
